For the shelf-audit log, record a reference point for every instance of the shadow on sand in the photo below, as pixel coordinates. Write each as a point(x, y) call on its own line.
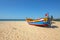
point(53, 26)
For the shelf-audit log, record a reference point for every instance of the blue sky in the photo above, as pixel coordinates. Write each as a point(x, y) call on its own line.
point(20, 9)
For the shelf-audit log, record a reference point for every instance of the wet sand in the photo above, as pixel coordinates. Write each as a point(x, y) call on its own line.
point(21, 30)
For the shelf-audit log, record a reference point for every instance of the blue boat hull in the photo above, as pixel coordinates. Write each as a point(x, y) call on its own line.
point(40, 23)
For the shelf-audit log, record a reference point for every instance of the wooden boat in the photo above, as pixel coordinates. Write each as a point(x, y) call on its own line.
point(39, 22)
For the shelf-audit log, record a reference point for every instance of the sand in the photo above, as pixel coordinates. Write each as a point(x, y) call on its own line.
point(21, 30)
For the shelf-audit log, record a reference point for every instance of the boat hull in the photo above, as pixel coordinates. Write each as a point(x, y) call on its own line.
point(40, 23)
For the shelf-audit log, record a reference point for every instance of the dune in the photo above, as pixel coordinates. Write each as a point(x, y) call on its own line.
point(21, 30)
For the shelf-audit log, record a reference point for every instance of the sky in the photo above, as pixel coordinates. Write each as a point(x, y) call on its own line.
point(21, 9)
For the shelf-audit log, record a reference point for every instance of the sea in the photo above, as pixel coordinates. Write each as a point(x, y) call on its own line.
point(18, 20)
point(12, 19)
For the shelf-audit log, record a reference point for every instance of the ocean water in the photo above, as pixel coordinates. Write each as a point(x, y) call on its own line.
point(18, 20)
point(12, 19)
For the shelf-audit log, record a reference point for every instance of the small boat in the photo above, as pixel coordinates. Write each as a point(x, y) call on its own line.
point(40, 22)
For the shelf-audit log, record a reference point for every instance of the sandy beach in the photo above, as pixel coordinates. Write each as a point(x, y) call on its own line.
point(21, 30)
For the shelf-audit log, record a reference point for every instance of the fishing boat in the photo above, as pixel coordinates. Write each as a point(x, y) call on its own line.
point(40, 22)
